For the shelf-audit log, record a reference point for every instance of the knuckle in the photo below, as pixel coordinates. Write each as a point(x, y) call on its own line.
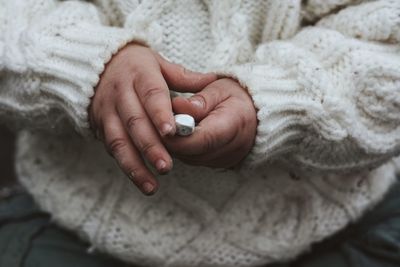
point(151, 93)
point(100, 104)
point(182, 72)
point(208, 142)
point(137, 173)
point(117, 85)
point(227, 128)
point(147, 148)
point(191, 77)
point(187, 75)
point(133, 171)
point(132, 168)
point(134, 120)
point(116, 145)
point(117, 90)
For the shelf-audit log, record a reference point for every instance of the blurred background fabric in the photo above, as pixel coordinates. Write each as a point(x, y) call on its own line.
point(7, 145)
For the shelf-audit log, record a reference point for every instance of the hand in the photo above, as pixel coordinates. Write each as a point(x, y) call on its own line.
point(227, 127)
point(132, 109)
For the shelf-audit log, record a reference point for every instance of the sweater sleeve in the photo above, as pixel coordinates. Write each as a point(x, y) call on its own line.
point(328, 99)
point(51, 56)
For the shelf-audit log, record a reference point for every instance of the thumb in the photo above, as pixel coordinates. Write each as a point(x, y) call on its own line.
point(201, 104)
point(182, 105)
point(183, 80)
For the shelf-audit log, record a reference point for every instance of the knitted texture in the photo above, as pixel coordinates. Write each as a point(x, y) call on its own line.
point(51, 56)
point(328, 104)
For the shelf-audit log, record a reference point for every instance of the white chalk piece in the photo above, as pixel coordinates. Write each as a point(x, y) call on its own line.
point(184, 124)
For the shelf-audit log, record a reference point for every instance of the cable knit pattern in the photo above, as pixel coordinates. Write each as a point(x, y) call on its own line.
point(323, 87)
point(52, 55)
point(327, 99)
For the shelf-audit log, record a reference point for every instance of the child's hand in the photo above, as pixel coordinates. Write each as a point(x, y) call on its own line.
point(132, 109)
point(227, 127)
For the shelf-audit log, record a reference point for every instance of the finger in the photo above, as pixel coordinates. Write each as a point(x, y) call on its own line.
point(228, 156)
point(183, 80)
point(128, 158)
point(214, 132)
point(216, 159)
point(142, 132)
point(153, 93)
point(202, 103)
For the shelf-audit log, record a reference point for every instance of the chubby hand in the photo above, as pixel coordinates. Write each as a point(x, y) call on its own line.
point(131, 110)
point(226, 130)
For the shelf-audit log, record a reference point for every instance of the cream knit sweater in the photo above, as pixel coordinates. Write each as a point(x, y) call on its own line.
point(324, 76)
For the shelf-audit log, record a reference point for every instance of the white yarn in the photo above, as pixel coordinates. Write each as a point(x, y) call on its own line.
point(327, 99)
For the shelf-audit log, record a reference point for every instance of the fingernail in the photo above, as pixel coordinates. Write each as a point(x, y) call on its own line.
point(196, 102)
point(131, 176)
point(166, 128)
point(148, 188)
point(161, 165)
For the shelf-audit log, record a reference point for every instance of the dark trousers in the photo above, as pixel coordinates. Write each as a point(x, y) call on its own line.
point(29, 239)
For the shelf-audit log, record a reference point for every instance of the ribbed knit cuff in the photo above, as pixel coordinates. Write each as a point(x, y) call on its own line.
point(70, 61)
point(285, 111)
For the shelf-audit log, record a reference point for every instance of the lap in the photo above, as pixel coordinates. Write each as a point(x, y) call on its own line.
point(373, 241)
point(29, 239)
